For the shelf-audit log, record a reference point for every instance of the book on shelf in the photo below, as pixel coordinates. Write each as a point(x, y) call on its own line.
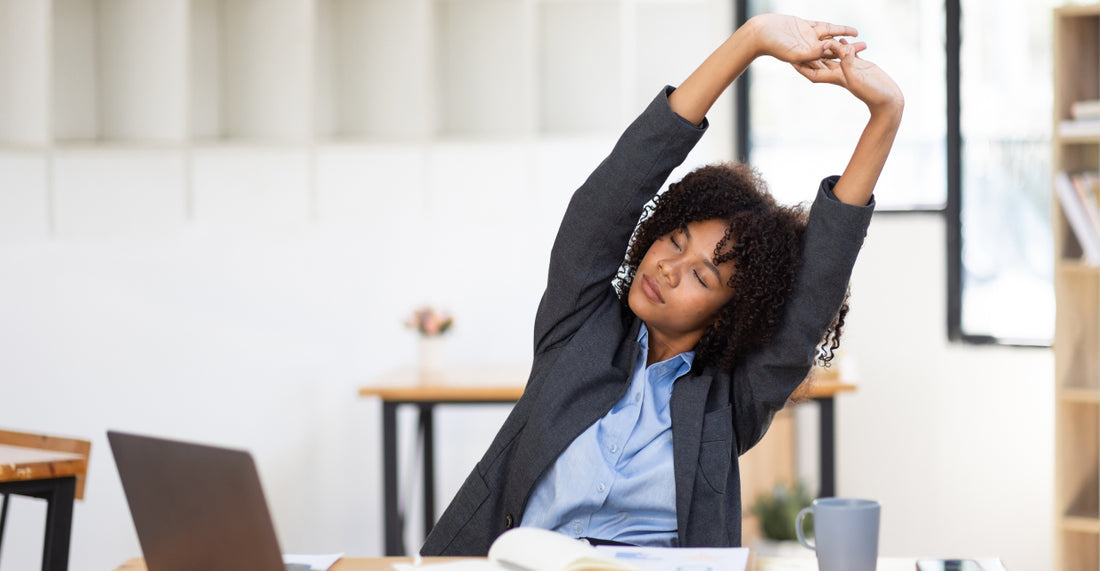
point(1080, 200)
point(1087, 127)
point(1085, 109)
point(1087, 186)
point(533, 549)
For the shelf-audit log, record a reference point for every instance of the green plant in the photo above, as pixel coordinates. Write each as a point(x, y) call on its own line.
point(777, 511)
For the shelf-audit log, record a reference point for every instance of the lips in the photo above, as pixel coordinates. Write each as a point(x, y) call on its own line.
point(650, 289)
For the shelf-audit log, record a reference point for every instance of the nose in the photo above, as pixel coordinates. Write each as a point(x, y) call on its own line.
point(669, 267)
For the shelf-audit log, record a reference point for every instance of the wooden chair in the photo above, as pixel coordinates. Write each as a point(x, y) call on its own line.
point(57, 478)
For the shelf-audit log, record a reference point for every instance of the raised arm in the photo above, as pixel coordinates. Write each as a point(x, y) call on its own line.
point(884, 100)
point(786, 38)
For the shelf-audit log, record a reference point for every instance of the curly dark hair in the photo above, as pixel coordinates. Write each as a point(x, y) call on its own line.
point(763, 239)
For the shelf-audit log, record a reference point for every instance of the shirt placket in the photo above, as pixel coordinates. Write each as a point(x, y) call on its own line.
point(615, 430)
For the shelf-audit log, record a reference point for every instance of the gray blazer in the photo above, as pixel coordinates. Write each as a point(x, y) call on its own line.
point(585, 346)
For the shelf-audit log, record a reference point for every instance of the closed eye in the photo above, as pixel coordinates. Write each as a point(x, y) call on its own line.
point(700, 278)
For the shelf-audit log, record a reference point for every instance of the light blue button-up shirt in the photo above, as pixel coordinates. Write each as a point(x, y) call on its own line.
point(616, 480)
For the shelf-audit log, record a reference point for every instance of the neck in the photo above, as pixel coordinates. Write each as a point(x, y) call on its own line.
point(662, 347)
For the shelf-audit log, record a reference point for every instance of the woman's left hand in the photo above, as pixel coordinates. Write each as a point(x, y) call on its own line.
point(862, 78)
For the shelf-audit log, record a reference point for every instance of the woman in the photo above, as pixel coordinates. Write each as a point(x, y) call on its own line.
point(637, 407)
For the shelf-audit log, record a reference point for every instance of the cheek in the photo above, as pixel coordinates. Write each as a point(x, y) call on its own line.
point(631, 294)
point(701, 306)
point(710, 303)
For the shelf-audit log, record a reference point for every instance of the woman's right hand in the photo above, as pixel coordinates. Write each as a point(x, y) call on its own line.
point(794, 40)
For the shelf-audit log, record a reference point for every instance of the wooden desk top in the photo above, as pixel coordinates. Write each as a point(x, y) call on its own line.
point(502, 384)
point(448, 393)
point(460, 383)
point(345, 564)
point(22, 463)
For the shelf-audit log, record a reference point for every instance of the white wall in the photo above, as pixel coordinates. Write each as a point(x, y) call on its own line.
point(254, 328)
point(956, 441)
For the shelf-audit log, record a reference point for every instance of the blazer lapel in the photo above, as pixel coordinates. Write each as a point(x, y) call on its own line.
point(689, 397)
point(576, 400)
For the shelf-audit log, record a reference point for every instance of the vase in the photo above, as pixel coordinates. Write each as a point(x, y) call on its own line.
point(431, 358)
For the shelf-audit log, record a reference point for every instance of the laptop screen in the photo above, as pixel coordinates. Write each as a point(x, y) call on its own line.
point(195, 506)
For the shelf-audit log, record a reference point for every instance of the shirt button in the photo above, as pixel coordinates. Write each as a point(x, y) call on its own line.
point(637, 397)
point(577, 528)
point(508, 522)
point(614, 448)
point(601, 487)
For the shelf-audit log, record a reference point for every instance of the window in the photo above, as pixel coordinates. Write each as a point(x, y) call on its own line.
point(975, 143)
point(1002, 270)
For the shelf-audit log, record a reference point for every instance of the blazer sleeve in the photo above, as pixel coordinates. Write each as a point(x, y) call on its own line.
point(602, 214)
point(765, 379)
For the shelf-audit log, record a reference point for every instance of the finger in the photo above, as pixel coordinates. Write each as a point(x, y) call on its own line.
point(828, 52)
point(840, 48)
point(834, 49)
point(821, 72)
point(826, 30)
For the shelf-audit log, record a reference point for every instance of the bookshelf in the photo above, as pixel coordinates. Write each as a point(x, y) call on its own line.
point(1077, 327)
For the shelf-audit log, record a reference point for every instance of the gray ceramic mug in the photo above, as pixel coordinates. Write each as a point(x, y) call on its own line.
point(845, 533)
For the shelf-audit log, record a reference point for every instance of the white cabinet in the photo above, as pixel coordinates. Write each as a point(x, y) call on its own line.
point(206, 78)
point(197, 72)
point(118, 71)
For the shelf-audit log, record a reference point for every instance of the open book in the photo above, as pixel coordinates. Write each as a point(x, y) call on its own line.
point(533, 549)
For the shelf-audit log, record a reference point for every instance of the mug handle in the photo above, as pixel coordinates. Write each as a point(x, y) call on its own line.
point(798, 526)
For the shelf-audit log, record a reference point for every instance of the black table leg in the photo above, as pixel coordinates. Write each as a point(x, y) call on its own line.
point(3, 516)
point(827, 447)
point(427, 431)
point(59, 494)
point(59, 523)
point(394, 527)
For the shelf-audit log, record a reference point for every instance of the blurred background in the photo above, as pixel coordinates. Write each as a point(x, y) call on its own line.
point(216, 216)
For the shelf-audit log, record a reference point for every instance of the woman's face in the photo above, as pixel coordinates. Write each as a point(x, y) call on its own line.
point(677, 289)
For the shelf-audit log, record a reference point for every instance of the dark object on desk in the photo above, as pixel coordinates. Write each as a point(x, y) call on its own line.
point(948, 565)
point(47, 468)
point(196, 506)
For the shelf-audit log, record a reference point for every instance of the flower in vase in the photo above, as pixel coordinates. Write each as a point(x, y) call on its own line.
point(430, 322)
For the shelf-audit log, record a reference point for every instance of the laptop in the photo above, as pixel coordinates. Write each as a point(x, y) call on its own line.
point(196, 507)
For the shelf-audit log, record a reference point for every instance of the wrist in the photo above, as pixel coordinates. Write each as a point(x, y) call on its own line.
point(889, 111)
point(749, 34)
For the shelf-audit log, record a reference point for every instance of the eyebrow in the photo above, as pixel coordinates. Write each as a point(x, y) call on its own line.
point(706, 261)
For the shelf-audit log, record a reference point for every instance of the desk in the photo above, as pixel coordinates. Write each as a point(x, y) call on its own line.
point(52, 476)
point(426, 397)
point(757, 564)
